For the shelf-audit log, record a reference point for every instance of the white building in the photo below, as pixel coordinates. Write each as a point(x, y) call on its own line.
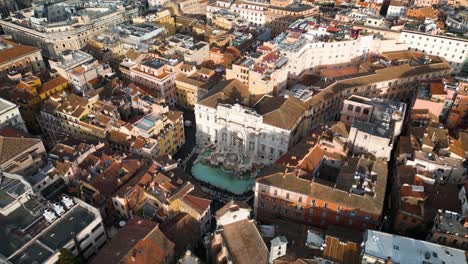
point(454, 50)
point(375, 127)
point(10, 115)
point(278, 247)
point(213, 8)
point(463, 197)
point(375, 21)
point(380, 247)
point(157, 3)
point(252, 11)
point(396, 9)
point(232, 212)
point(318, 46)
point(72, 33)
point(261, 129)
point(443, 169)
point(69, 60)
point(34, 229)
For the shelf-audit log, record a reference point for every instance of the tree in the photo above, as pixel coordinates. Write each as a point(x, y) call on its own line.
point(66, 257)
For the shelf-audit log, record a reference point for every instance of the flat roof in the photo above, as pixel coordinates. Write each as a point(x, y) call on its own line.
point(407, 250)
point(73, 222)
point(34, 253)
point(18, 220)
point(77, 56)
point(10, 189)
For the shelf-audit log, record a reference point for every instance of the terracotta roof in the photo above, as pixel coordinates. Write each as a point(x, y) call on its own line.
point(244, 243)
point(341, 252)
point(312, 159)
point(226, 92)
point(437, 88)
point(11, 147)
point(119, 137)
point(16, 51)
point(154, 248)
point(59, 80)
point(380, 75)
point(279, 111)
point(434, 108)
point(278, 177)
point(126, 238)
point(183, 230)
point(197, 203)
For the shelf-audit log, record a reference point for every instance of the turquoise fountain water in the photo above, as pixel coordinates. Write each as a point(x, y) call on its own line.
point(216, 176)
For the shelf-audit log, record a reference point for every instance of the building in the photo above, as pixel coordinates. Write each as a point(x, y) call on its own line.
point(382, 247)
point(394, 82)
point(151, 136)
point(347, 193)
point(184, 231)
point(21, 155)
point(192, 7)
point(307, 46)
point(82, 117)
point(193, 85)
point(7, 6)
point(463, 197)
point(428, 3)
point(267, 74)
point(262, 129)
point(422, 13)
point(139, 241)
point(252, 11)
point(408, 197)
point(158, 77)
point(279, 17)
point(397, 9)
point(10, 116)
point(375, 125)
point(232, 212)
point(69, 60)
point(239, 242)
point(278, 247)
point(16, 58)
point(68, 33)
point(450, 229)
point(46, 227)
point(458, 22)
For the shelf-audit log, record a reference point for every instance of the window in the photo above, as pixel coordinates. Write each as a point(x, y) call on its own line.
point(300, 199)
point(350, 108)
point(287, 196)
point(325, 206)
point(275, 192)
point(366, 111)
point(312, 202)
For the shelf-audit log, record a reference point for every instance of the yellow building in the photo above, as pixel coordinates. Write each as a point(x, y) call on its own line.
point(172, 137)
point(29, 94)
point(165, 19)
point(190, 88)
